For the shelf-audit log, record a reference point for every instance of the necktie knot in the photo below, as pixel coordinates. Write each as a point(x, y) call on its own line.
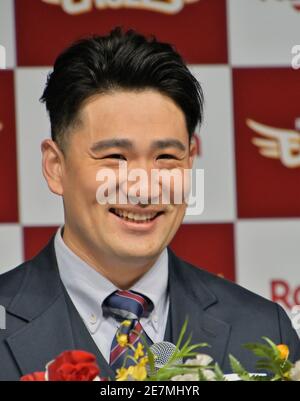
point(127, 305)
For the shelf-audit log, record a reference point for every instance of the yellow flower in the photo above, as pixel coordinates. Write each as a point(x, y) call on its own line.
point(143, 361)
point(138, 372)
point(122, 374)
point(126, 323)
point(139, 351)
point(283, 351)
point(122, 339)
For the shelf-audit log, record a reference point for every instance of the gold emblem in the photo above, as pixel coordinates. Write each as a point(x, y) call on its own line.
point(277, 143)
point(75, 7)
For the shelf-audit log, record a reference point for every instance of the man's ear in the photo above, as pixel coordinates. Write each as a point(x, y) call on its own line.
point(193, 151)
point(52, 164)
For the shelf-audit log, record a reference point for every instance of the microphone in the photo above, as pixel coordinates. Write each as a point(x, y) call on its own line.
point(163, 353)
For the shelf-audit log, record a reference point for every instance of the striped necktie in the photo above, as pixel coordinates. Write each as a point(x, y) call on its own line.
point(126, 305)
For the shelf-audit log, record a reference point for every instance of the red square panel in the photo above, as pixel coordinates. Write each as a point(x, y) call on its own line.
point(35, 238)
point(45, 27)
point(8, 165)
point(267, 134)
point(209, 246)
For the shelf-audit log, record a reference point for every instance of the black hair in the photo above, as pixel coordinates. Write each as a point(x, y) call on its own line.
point(121, 60)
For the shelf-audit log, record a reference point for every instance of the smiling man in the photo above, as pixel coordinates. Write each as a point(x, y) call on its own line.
point(114, 101)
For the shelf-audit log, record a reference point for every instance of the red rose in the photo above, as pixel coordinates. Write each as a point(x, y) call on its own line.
point(73, 366)
point(34, 377)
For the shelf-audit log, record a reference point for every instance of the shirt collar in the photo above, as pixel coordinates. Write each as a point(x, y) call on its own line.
point(88, 288)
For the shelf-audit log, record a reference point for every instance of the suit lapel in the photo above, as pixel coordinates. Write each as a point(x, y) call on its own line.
point(42, 339)
point(52, 324)
point(191, 298)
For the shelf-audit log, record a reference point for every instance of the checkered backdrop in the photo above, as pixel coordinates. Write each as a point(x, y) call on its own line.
point(249, 145)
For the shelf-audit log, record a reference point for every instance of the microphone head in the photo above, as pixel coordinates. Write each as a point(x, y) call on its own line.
point(163, 352)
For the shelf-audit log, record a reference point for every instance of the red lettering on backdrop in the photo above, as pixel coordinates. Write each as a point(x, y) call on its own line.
point(297, 296)
point(282, 292)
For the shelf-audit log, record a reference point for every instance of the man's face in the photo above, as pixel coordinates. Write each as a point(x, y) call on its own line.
point(138, 121)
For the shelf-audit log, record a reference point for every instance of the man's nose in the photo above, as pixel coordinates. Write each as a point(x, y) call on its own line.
point(142, 186)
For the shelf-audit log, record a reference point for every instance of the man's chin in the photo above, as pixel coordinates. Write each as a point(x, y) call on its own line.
point(138, 253)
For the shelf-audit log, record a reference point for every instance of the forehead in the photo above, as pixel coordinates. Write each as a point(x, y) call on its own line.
point(139, 115)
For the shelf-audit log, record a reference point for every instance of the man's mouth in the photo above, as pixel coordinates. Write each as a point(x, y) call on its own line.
point(141, 217)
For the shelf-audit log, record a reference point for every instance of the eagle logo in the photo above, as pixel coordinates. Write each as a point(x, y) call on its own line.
point(83, 6)
point(277, 143)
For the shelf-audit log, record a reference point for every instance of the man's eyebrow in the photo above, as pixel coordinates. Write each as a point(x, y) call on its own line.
point(127, 144)
point(168, 143)
point(111, 143)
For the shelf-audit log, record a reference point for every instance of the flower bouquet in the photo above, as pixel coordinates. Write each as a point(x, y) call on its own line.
point(147, 364)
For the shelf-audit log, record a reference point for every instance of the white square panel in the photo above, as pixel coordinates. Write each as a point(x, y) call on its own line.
point(216, 146)
point(268, 259)
point(38, 206)
point(11, 245)
point(262, 32)
point(7, 31)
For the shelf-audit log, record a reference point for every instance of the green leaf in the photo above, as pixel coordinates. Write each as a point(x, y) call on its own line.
point(218, 373)
point(264, 365)
point(260, 350)
point(182, 332)
point(201, 376)
point(237, 368)
point(273, 346)
point(167, 373)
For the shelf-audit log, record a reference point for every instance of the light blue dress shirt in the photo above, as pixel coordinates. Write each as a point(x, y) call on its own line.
point(88, 288)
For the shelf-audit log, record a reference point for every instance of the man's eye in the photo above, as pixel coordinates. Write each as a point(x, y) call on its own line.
point(115, 156)
point(166, 156)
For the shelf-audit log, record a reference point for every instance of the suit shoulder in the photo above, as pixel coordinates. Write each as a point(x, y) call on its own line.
point(11, 282)
point(228, 291)
point(36, 268)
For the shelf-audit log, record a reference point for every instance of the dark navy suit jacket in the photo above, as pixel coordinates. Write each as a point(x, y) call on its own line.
point(41, 320)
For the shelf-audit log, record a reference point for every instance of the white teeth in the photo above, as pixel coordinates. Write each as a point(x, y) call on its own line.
point(134, 216)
